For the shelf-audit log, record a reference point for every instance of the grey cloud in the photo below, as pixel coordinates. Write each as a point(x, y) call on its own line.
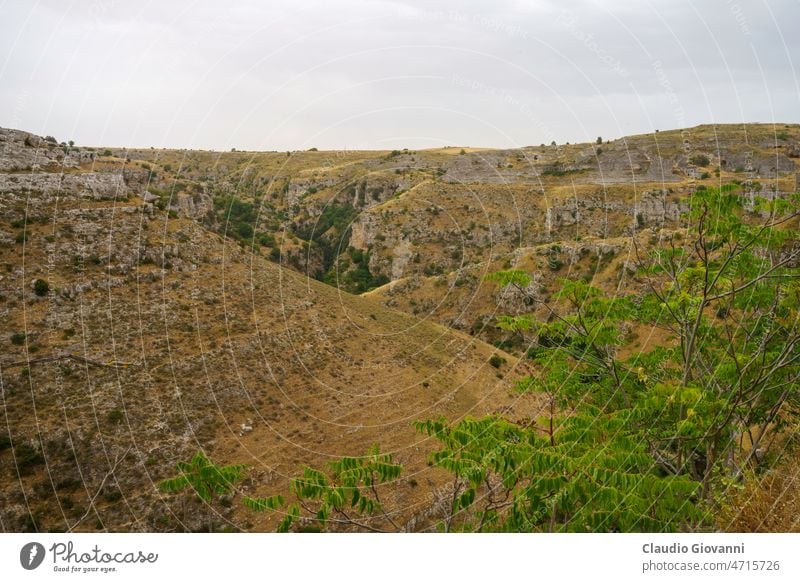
point(274, 75)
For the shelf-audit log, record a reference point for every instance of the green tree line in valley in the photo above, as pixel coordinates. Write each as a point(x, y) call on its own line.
point(651, 439)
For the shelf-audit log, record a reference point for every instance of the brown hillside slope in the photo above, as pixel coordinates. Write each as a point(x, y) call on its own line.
point(155, 338)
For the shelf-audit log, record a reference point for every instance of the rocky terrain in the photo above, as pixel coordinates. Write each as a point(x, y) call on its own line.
point(284, 308)
point(417, 229)
point(133, 336)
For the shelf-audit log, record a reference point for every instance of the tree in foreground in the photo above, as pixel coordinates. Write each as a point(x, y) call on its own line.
point(654, 440)
point(347, 496)
point(204, 478)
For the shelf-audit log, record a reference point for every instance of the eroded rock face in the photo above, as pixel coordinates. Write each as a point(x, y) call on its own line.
point(657, 207)
point(36, 168)
point(619, 164)
point(759, 164)
point(22, 151)
point(402, 254)
point(364, 232)
point(136, 179)
point(298, 188)
point(107, 186)
point(566, 215)
point(377, 188)
point(196, 205)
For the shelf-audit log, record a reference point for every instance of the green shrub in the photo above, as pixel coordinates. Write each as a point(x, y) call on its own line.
point(27, 456)
point(496, 360)
point(41, 287)
point(115, 416)
point(112, 495)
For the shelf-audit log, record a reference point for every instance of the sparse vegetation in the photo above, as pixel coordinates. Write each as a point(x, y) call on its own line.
point(643, 332)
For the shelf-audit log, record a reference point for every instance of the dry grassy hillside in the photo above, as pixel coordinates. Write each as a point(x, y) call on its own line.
point(153, 337)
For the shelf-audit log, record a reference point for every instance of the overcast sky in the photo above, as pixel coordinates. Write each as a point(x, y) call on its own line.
point(335, 74)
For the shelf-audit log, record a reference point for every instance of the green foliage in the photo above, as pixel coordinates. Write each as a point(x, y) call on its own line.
point(515, 323)
point(330, 235)
point(335, 217)
point(513, 277)
point(41, 287)
point(347, 495)
point(27, 457)
point(596, 477)
point(731, 296)
point(264, 503)
point(496, 361)
point(115, 416)
point(240, 216)
point(623, 440)
point(355, 277)
point(18, 338)
point(203, 477)
point(649, 441)
point(700, 160)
